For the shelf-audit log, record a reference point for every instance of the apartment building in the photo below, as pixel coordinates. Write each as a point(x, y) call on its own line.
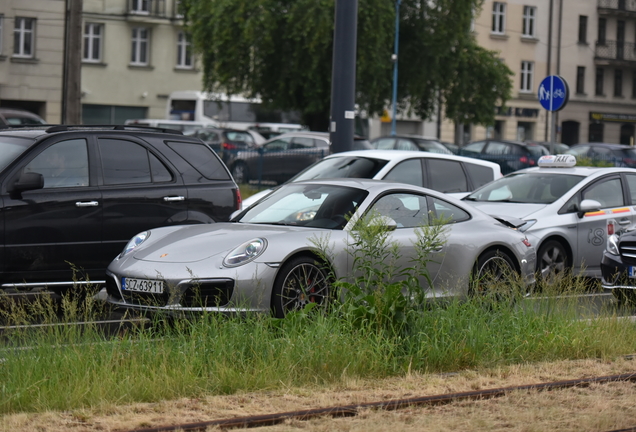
point(590, 43)
point(32, 56)
point(135, 53)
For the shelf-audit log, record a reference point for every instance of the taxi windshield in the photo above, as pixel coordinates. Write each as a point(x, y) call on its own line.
point(533, 188)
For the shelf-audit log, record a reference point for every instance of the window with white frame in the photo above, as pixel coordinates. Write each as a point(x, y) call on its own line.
point(140, 6)
point(529, 15)
point(140, 45)
point(23, 37)
point(93, 34)
point(184, 52)
point(498, 18)
point(527, 72)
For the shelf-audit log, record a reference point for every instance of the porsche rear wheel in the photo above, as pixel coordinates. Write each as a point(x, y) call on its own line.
point(492, 275)
point(301, 281)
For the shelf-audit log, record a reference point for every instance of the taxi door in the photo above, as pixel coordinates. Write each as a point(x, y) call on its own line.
point(610, 191)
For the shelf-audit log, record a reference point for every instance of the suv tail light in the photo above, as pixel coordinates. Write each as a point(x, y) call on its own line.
point(526, 160)
point(228, 146)
point(239, 200)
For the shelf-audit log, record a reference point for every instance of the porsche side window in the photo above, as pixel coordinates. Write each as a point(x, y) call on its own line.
point(447, 212)
point(408, 211)
point(62, 165)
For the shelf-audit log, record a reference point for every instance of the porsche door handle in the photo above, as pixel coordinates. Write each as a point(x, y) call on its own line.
point(624, 222)
point(86, 204)
point(174, 198)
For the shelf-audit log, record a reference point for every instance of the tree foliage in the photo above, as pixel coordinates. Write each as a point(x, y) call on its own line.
point(281, 50)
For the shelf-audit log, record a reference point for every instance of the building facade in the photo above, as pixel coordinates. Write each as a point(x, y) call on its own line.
point(32, 56)
point(590, 43)
point(135, 53)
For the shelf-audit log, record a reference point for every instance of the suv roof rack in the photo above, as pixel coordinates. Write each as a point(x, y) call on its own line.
point(64, 128)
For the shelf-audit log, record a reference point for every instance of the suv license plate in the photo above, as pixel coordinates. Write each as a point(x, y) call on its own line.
point(142, 285)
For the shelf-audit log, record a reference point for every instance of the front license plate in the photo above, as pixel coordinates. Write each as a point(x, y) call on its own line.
point(632, 272)
point(142, 285)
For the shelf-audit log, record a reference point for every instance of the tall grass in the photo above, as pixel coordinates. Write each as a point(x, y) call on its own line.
point(65, 368)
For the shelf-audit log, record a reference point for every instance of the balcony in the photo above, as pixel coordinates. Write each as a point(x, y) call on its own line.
point(626, 8)
point(143, 9)
point(615, 53)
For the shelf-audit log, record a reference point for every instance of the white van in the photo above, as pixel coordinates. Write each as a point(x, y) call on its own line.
point(180, 125)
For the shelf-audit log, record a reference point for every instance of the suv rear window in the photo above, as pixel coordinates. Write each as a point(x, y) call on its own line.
point(202, 158)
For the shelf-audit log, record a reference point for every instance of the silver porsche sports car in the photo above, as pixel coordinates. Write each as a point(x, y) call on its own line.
point(285, 251)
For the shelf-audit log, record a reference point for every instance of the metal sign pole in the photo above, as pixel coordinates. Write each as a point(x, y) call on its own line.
point(552, 131)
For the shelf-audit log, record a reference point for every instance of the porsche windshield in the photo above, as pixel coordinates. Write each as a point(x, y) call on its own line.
point(311, 205)
point(11, 148)
point(535, 188)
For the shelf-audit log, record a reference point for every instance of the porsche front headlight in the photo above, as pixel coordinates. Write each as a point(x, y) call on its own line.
point(612, 245)
point(245, 253)
point(134, 242)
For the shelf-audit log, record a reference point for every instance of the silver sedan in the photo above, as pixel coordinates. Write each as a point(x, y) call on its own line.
point(285, 251)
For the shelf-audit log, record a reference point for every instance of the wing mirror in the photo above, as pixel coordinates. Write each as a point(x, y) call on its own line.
point(27, 181)
point(588, 205)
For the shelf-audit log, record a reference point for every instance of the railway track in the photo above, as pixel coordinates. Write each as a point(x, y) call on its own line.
point(353, 410)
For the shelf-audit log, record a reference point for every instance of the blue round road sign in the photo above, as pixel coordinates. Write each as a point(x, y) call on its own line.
point(553, 93)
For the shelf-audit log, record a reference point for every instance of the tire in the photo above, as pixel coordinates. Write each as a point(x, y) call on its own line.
point(552, 259)
point(490, 273)
point(301, 281)
point(240, 172)
point(625, 297)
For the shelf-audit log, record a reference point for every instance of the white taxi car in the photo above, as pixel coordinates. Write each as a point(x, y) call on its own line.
point(566, 209)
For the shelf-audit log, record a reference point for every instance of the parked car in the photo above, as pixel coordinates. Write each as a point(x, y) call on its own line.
point(16, 116)
point(510, 155)
point(453, 148)
point(227, 141)
point(180, 125)
point(618, 266)
point(72, 196)
point(604, 153)
point(553, 148)
point(441, 172)
point(280, 158)
point(566, 209)
point(410, 142)
point(267, 257)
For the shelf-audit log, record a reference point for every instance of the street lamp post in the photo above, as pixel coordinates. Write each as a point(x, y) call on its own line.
point(394, 58)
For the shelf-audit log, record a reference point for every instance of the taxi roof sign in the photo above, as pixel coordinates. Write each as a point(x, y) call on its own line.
point(557, 161)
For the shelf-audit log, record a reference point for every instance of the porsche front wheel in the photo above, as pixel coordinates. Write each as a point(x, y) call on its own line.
point(301, 281)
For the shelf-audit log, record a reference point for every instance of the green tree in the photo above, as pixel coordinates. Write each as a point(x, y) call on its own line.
point(281, 50)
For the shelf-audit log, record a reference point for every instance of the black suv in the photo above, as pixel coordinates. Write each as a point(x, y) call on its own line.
point(510, 155)
point(72, 197)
